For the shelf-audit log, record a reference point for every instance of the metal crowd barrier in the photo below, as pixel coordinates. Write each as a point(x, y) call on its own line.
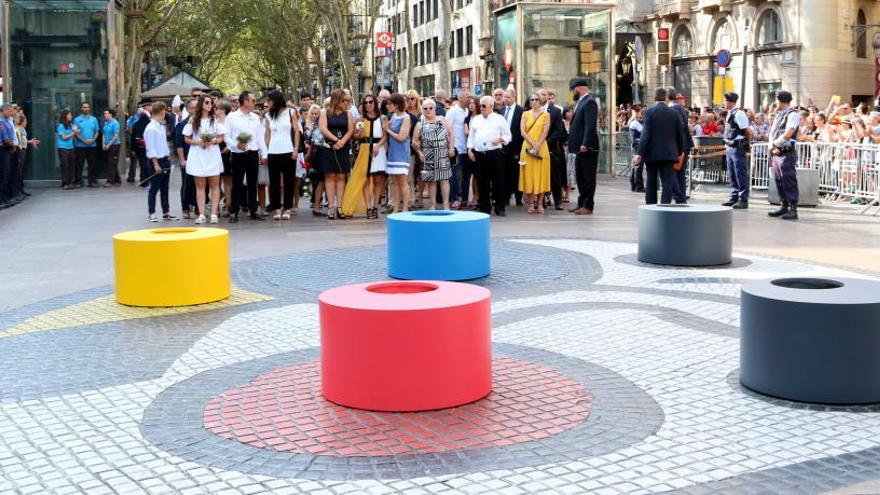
point(846, 170)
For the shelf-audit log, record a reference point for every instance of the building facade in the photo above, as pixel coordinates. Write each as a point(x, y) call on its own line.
point(813, 48)
point(468, 24)
point(55, 55)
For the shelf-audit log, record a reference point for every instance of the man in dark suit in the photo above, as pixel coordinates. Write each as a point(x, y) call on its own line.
point(556, 143)
point(662, 144)
point(583, 139)
point(513, 114)
point(676, 102)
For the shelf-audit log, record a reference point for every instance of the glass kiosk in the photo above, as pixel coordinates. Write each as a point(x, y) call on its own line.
point(549, 44)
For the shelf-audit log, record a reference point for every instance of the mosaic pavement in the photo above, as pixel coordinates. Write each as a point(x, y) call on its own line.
point(610, 376)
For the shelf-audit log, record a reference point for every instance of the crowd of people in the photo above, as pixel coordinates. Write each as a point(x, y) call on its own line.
point(837, 122)
point(14, 146)
point(389, 153)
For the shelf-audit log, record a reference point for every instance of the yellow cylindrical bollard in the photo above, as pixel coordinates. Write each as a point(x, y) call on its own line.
point(171, 267)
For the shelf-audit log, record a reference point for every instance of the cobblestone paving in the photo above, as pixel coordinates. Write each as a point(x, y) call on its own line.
point(125, 405)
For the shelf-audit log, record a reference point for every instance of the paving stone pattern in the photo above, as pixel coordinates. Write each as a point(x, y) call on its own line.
point(119, 406)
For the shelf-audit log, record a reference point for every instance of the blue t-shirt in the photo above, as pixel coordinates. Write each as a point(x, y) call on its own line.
point(88, 129)
point(111, 127)
point(60, 142)
point(7, 131)
point(131, 120)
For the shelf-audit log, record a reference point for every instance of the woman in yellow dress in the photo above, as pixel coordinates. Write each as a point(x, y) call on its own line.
point(367, 179)
point(534, 160)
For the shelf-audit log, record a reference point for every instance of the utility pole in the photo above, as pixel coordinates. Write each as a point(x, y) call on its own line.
point(742, 96)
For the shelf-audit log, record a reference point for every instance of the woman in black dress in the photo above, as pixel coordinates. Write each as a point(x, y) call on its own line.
point(334, 156)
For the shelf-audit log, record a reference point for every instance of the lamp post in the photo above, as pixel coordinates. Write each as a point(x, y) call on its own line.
point(746, 32)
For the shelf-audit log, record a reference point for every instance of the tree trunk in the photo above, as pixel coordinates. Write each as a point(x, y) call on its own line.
point(443, 45)
point(410, 53)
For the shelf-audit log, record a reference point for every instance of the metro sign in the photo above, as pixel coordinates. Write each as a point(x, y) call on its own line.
point(384, 40)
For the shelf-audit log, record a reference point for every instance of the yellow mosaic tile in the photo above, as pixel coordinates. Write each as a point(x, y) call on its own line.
point(106, 309)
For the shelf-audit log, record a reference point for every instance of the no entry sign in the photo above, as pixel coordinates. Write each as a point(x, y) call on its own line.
point(723, 58)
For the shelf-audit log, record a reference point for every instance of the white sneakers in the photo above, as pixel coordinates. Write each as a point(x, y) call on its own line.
point(200, 219)
point(286, 215)
point(154, 217)
point(277, 215)
point(214, 219)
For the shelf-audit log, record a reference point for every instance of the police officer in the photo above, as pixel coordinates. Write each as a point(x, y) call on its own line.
point(784, 156)
point(737, 134)
point(636, 124)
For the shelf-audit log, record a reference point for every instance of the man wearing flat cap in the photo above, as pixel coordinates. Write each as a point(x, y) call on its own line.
point(737, 134)
point(583, 140)
point(783, 157)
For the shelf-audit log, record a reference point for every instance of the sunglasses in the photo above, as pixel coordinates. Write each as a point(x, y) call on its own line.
point(427, 108)
point(535, 99)
point(369, 102)
point(411, 98)
point(485, 106)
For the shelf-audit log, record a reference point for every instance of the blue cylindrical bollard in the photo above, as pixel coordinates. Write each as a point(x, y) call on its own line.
point(438, 245)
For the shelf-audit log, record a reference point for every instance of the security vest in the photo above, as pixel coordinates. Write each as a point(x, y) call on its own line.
point(779, 126)
point(731, 129)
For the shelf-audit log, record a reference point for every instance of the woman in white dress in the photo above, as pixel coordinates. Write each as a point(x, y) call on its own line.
point(281, 124)
point(204, 161)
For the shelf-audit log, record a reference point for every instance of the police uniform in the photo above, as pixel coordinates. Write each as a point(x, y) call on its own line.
point(783, 160)
point(737, 168)
point(636, 178)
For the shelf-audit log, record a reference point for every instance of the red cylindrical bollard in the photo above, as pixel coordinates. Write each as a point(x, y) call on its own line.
point(406, 346)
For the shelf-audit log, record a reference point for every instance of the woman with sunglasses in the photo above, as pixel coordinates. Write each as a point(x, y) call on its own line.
point(204, 134)
point(534, 158)
point(282, 135)
point(414, 109)
point(434, 142)
point(397, 128)
point(334, 156)
point(467, 170)
point(367, 179)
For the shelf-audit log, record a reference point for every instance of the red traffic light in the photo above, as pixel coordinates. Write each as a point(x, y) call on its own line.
point(663, 34)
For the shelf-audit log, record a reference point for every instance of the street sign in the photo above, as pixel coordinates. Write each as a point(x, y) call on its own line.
point(723, 58)
point(384, 40)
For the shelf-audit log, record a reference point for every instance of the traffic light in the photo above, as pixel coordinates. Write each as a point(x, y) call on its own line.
point(663, 56)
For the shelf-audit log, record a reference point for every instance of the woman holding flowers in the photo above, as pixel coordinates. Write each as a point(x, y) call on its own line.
point(204, 134)
point(333, 158)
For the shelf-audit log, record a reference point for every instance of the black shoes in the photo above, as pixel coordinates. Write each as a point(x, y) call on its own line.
point(781, 211)
point(741, 205)
point(257, 217)
point(791, 214)
point(500, 212)
point(233, 218)
point(729, 202)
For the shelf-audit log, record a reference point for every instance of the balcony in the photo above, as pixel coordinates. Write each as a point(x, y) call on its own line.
point(712, 6)
point(672, 10)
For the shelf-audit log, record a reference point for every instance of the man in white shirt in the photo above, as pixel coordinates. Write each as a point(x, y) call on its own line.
point(456, 116)
point(245, 138)
point(489, 133)
point(157, 154)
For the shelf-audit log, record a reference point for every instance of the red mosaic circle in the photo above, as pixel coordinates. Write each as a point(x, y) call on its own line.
point(284, 410)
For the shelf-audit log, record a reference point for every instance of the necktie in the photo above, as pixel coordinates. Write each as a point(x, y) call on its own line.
point(506, 112)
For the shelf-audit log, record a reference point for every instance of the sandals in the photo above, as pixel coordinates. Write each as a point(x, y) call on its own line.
point(339, 214)
point(331, 214)
point(531, 208)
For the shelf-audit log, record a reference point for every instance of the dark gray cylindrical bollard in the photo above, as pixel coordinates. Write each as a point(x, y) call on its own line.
point(685, 235)
point(812, 340)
